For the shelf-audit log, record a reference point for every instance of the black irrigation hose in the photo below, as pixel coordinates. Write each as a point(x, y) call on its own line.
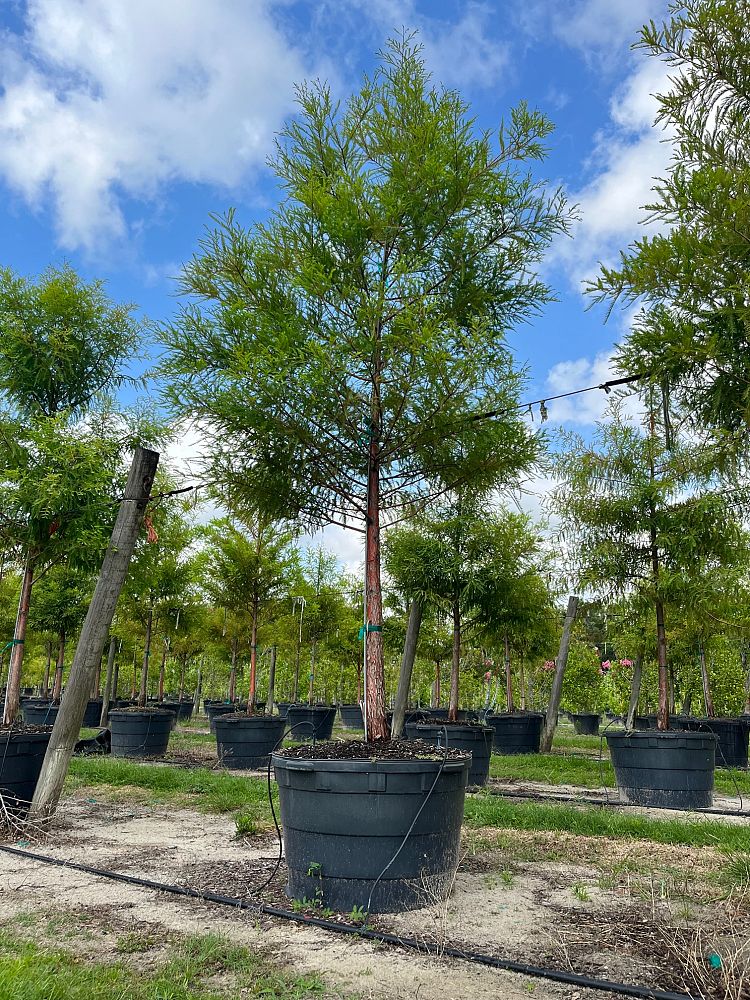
point(478, 958)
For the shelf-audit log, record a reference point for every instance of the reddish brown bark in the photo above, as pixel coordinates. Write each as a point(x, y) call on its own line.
point(377, 725)
point(12, 703)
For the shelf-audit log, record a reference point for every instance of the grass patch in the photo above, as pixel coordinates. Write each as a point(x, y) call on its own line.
point(591, 821)
point(200, 788)
point(571, 741)
point(559, 769)
point(189, 738)
point(29, 972)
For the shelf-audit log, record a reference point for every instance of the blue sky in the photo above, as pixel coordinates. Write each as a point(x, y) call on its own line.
point(124, 123)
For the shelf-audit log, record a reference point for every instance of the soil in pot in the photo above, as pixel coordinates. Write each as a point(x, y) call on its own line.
point(310, 722)
point(732, 748)
point(247, 741)
point(586, 723)
point(140, 732)
point(22, 750)
point(516, 732)
point(668, 770)
point(351, 716)
point(345, 810)
point(474, 738)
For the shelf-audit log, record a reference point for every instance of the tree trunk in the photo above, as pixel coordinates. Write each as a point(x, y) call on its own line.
point(183, 668)
point(143, 695)
point(271, 682)
point(311, 688)
point(96, 686)
point(661, 648)
point(557, 681)
point(508, 677)
point(376, 725)
point(687, 704)
point(47, 669)
point(455, 662)
point(436, 686)
point(253, 658)
point(107, 693)
point(707, 699)
point(743, 658)
point(134, 686)
point(635, 689)
point(522, 683)
point(295, 690)
point(59, 666)
point(163, 670)
point(233, 672)
point(94, 634)
point(13, 689)
point(198, 685)
point(116, 677)
point(407, 667)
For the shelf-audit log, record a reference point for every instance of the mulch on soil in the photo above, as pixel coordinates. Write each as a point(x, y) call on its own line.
point(377, 750)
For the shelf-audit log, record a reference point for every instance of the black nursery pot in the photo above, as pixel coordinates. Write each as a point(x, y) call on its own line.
point(345, 820)
point(669, 770)
point(185, 709)
point(351, 716)
point(140, 734)
point(516, 732)
point(462, 715)
point(248, 741)
point(217, 708)
point(307, 722)
point(283, 708)
point(21, 758)
point(93, 713)
point(731, 750)
point(586, 723)
point(39, 713)
point(477, 740)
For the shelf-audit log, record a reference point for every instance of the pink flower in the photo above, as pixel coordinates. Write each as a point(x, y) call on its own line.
point(548, 665)
point(626, 663)
point(488, 677)
point(487, 662)
point(606, 665)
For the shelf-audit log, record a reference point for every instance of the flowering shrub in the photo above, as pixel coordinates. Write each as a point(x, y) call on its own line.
point(549, 665)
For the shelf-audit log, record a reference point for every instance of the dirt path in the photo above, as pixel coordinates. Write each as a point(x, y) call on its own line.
point(191, 848)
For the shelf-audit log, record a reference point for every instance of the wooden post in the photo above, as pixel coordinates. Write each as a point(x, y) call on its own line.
point(407, 666)
point(555, 694)
point(635, 690)
point(94, 634)
point(107, 693)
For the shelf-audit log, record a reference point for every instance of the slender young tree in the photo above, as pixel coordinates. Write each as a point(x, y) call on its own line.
point(349, 347)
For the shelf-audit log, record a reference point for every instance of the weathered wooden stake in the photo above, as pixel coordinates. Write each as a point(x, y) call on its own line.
point(562, 658)
point(407, 666)
point(635, 690)
point(94, 634)
point(107, 694)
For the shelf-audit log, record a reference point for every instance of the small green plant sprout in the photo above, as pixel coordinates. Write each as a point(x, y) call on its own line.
point(581, 892)
point(245, 825)
point(357, 915)
point(314, 869)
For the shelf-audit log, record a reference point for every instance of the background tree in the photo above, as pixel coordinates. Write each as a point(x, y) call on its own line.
point(351, 342)
point(60, 606)
point(640, 518)
point(692, 276)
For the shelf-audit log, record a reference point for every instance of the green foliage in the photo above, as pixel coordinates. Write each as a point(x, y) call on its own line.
point(582, 681)
point(693, 275)
point(62, 342)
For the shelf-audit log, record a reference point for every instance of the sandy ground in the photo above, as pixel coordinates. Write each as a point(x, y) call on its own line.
point(517, 920)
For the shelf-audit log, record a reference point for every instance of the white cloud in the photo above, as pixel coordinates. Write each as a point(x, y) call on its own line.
point(601, 28)
point(100, 100)
point(628, 155)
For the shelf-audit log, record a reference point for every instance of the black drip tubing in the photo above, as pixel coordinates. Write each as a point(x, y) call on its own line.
point(478, 958)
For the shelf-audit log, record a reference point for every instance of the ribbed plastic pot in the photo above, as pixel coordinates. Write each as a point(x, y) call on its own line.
point(140, 734)
point(669, 770)
point(283, 708)
point(39, 713)
point(586, 723)
point(344, 820)
point(645, 723)
point(248, 742)
point(516, 732)
point(93, 713)
point(215, 709)
point(21, 758)
point(185, 709)
point(732, 748)
point(351, 716)
point(307, 722)
point(477, 740)
point(462, 715)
